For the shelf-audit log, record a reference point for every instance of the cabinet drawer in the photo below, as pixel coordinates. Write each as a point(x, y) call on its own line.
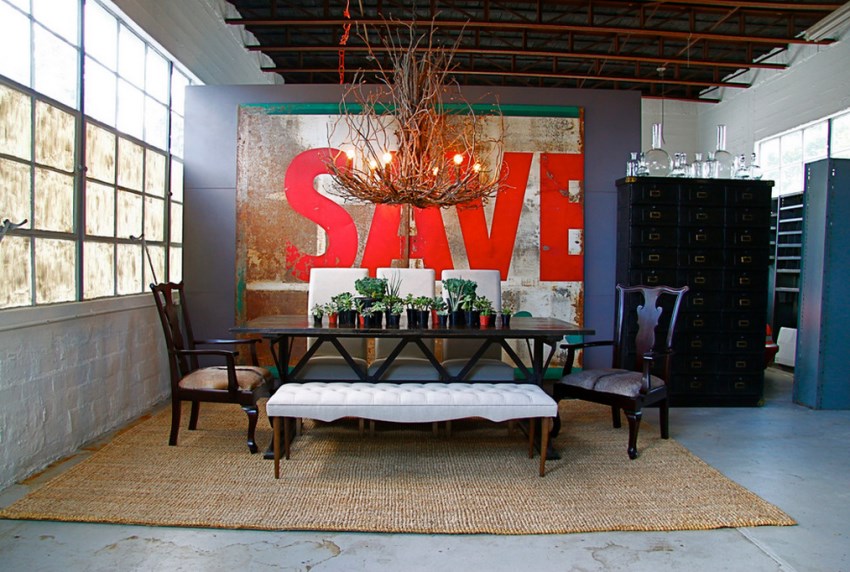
point(695, 364)
point(748, 197)
point(749, 258)
point(702, 216)
point(655, 214)
point(654, 257)
point(745, 280)
point(700, 322)
point(742, 363)
point(746, 237)
point(684, 384)
point(743, 300)
point(743, 343)
point(701, 300)
point(660, 277)
point(701, 279)
point(744, 321)
point(744, 384)
point(701, 195)
point(752, 217)
point(654, 235)
point(697, 343)
point(701, 237)
point(655, 193)
point(701, 258)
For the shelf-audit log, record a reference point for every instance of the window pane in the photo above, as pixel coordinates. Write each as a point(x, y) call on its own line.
point(129, 222)
point(14, 45)
point(154, 173)
point(130, 164)
point(176, 135)
point(59, 16)
point(16, 285)
point(176, 181)
point(22, 4)
point(131, 57)
point(99, 269)
point(769, 154)
point(129, 268)
point(100, 153)
point(54, 201)
point(773, 175)
point(814, 142)
point(175, 264)
point(100, 209)
point(176, 222)
point(55, 68)
point(157, 259)
point(15, 192)
point(179, 82)
point(101, 85)
point(54, 271)
point(156, 119)
point(154, 219)
point(101, 35)
point(131, 117)
point(15, 123)
point(792, 147)
point(792, 178)
point(156, 76)
point(841, 136)
point(54, 137)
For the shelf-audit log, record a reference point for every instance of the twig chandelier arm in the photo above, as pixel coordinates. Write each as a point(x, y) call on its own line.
point(403, 143)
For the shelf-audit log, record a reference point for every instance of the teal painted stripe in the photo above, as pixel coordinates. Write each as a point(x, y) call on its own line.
point(450, 108)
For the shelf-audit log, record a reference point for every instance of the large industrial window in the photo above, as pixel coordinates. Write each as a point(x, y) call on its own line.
point(784, 156)
point(91, 146)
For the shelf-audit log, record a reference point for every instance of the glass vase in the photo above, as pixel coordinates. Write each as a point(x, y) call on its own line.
point(723, 160)
point(657, 160)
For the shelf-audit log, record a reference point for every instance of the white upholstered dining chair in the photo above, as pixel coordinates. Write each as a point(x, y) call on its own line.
point(456, 352)
point(411, 363)
point(327, 363)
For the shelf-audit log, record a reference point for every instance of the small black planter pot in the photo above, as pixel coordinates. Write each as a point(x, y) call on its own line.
point(412, 318)
point(424, 318)
point(457, 318)
point(472, 319)
point(394, 321)
point(442, 321)
point(317, 321)
point(506, 321)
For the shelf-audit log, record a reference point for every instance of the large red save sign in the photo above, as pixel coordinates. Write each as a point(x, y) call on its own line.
point(561, 218)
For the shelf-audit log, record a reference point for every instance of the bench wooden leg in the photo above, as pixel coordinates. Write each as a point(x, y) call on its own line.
point(531, 427)
point(449, 428)
point(546, 426)
point(361, 424)
point(287, 436)
point(371, 427)
point(276, 440)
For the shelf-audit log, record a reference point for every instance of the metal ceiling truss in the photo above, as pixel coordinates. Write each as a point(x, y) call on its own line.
point(678, 49)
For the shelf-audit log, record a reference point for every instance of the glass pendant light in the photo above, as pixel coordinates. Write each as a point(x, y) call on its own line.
point(723, 160)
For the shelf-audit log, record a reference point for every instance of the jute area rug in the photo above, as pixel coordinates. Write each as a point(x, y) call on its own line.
point(402, 479)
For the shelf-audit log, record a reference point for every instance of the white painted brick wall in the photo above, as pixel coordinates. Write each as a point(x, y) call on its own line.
point(72, 372)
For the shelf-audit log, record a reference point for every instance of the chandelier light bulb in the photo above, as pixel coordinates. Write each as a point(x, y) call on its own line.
point(436, 170)
point(386, 158)
point(458, 159)
point(476, 167)
point(350, 154)
point(373, 164)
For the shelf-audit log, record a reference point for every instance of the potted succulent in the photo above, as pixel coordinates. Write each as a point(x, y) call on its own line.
point(377, 309)
point(317, 311)
point(422, 306)
point(412, 314)
point(441, 311)
point(371, 288)
point(507, 312)
point(471, 315)
point(394, 315)
point(345, 309)
point(456, 290)
point(331, 310)
point(485, 310)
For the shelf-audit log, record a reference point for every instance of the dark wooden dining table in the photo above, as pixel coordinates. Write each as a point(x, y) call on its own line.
point(283, 330)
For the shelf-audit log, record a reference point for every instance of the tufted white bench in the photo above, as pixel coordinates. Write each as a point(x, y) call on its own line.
point(410, 403)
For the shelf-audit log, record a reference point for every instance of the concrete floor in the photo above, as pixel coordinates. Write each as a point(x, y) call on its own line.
point(791, 456)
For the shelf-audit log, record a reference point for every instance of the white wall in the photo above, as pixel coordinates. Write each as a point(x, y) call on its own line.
point(71, 372)
point(816, 84)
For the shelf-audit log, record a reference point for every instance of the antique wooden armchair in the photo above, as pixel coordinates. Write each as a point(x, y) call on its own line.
point(190, 381)
point(641, 366)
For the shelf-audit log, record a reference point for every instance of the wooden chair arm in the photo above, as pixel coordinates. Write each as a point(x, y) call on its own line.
point(230, 359)
point(571, 352)
point(252, 341)
point(648, 359)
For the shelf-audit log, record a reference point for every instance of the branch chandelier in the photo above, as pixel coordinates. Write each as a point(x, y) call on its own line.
point(404, 143)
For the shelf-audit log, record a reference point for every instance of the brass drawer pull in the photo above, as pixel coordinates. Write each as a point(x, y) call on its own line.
point(699, 280)
point(702, 195)
point(699, 258)
point(746, 217)
point(702, 216)
point(698, 301)
point(743, 323)
point(746, 260)
point(744, 281)
point(696, 364)
point(744, 302)
point(740, 364)
point(747, 196)
point(696, 344)
point(654, 236)
point(746, 238)
point(655, 214)
point(654, 257)
point(740, 385)
point(699, 323)
point(701, 237)
point(654, 193)
point(652, 279)
point(742, 344)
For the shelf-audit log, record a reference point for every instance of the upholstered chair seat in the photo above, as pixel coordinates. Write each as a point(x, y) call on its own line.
point(247, 378)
